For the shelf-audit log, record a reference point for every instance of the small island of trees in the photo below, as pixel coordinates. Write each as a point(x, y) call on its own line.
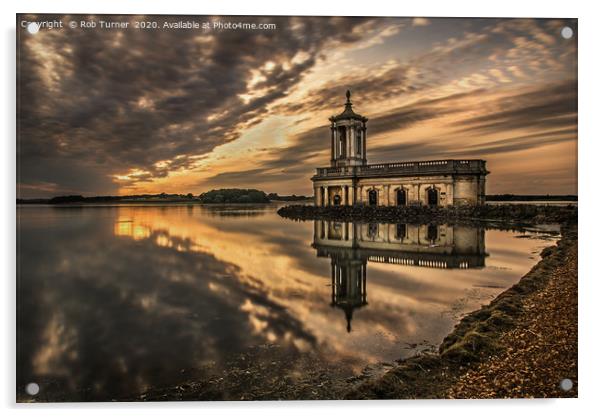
point(234, 195)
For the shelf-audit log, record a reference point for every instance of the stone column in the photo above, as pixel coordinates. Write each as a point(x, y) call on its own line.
point(352, 142)
point(364, 143)
point(332, 139)
point(387, 193)
point(326, 196)
point(347, 135)
point(337, 142)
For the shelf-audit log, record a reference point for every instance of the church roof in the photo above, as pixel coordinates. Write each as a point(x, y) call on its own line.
point(348, 113)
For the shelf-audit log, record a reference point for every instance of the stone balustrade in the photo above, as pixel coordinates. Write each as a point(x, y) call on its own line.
point(446, 166)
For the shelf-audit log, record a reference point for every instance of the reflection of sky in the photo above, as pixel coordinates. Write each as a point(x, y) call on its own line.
point(118, 299)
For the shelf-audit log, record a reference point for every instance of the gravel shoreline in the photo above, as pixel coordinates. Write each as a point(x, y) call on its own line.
point(540, 351)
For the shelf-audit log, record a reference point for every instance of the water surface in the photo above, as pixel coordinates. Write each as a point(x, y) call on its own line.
point(116, 300)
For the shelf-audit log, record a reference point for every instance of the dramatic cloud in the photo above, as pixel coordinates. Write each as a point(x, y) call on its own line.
point(146, 102)
point(117, 111)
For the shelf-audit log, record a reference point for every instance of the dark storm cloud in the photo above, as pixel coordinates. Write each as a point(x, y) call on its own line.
point(548, 107)
point(94, 103)
point(371, 88)
point(549, 110)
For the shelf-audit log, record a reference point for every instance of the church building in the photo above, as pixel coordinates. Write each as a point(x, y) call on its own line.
point(351, 180)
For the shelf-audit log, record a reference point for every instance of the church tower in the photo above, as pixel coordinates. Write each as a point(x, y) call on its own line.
point(348, 137)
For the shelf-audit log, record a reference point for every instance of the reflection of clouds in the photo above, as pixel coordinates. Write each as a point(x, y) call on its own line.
point(402, 300)
point(57, 341)
point(117, 311)
point(125, 314)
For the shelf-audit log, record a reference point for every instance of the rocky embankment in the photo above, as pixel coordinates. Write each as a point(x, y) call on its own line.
point(508, 214)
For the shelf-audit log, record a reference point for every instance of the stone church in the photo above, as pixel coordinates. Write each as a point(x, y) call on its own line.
point(351, 180)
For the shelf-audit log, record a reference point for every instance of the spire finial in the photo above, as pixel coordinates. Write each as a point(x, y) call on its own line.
point(348, 95)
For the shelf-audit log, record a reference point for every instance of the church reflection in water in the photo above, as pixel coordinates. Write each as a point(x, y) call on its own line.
point(350, 246)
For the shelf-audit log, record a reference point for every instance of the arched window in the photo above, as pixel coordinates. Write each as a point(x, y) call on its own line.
point(335, 231)
point(342, 141)
point(372, 230)
point(400, 233)
point(432, 196)
point(401, 197)
point(432, 232)
point(373, 197)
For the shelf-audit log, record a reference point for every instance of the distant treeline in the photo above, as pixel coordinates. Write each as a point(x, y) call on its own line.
point(529, 197)
point(71, 199)
point(222, 196)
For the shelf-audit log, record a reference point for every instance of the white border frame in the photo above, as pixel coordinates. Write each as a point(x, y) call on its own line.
point(589, 134)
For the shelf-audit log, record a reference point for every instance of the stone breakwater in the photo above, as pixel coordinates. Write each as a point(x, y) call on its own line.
point(510, 214)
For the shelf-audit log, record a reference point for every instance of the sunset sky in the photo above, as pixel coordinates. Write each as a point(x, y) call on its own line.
point(128, 111)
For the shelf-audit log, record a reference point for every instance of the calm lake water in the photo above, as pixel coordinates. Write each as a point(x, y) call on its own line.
point(115, 300)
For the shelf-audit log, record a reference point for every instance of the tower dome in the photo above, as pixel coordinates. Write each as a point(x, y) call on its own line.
point(348, 137)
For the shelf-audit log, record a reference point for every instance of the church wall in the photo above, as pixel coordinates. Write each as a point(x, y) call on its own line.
point(333, 188)
point(415, 187)
point(451, 190)
point(467, 190)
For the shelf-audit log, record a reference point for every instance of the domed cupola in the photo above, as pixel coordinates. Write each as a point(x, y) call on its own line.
point(348, 137)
